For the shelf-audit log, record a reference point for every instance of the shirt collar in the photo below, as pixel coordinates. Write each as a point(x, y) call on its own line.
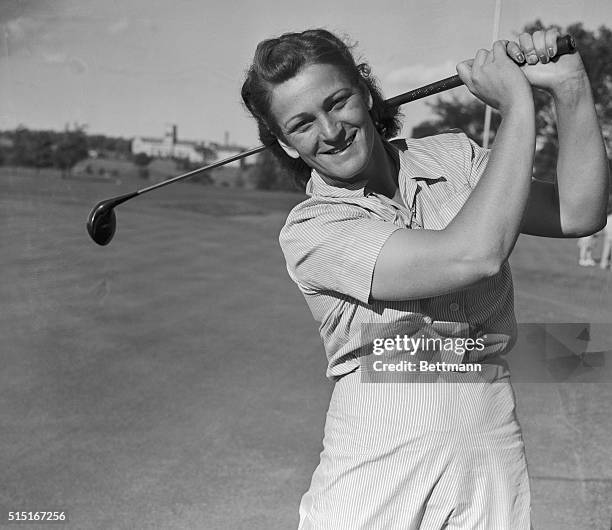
point(317, 186)
point(410, 165)
point(408, 170)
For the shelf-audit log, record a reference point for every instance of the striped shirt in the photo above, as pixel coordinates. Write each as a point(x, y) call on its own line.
point(332, 239)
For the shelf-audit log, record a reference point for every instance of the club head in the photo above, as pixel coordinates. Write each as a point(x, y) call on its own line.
point(101, 222)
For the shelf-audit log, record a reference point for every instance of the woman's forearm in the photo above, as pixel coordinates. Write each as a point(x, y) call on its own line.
point(582, 164)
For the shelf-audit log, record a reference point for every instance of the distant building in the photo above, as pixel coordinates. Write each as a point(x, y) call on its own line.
point(169, 147)
point(196, 152)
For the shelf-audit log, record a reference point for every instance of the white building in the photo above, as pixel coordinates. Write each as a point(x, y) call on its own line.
point(168, 147)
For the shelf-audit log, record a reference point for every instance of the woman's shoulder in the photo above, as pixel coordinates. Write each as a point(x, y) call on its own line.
point(302, 212)
point(321, 209)
point(316, 218)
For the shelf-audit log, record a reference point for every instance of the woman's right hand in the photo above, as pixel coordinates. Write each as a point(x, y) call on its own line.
point(496, 79)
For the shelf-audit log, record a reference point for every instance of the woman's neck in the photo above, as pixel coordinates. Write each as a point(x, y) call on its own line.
point(382, 169)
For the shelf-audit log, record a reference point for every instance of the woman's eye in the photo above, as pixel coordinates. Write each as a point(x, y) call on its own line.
point(301, 127)
point(338, 104)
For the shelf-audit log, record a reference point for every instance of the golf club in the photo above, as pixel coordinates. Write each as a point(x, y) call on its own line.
point(102, 222)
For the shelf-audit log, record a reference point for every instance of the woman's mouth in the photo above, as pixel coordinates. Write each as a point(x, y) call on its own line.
point(342, 147)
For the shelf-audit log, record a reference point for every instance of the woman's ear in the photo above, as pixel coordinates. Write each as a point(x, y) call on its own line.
point(369, 100)
point(367, 95)
point(288, 149)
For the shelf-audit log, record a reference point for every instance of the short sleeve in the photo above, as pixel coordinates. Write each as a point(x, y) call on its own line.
point(334, 247)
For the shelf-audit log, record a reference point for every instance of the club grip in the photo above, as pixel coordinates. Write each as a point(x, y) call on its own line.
point(565, 45)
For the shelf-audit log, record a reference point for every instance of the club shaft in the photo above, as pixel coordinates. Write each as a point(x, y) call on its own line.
point(417, 93)
point(565, 45)
point(219, 163)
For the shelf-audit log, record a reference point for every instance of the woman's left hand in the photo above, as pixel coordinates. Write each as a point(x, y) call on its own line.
point(534, 53)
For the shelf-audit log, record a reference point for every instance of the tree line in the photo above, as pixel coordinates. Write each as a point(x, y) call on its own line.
point(57, 149)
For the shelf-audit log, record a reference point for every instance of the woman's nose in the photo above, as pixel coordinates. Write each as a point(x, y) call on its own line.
point(331, 130)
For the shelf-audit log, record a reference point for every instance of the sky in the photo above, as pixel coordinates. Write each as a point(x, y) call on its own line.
point(131, 67)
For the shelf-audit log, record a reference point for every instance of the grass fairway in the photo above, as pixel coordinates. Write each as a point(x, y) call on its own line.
point(175, 378)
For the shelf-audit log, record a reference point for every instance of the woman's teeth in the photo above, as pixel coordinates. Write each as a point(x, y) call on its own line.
point(342, 147)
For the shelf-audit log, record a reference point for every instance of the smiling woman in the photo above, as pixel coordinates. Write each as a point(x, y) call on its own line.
point(278, 68)
point(333, 132)
point(407, 241)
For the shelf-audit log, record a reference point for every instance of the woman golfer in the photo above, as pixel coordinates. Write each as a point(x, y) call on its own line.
point(414, 235)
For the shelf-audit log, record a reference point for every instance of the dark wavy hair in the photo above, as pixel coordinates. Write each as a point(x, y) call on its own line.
point(279, 59)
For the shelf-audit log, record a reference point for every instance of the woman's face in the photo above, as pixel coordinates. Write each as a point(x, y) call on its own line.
point(325, 119)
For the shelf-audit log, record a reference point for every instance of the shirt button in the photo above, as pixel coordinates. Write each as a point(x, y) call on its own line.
point(454, 306)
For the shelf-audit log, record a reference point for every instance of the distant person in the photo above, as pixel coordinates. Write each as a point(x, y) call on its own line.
point(585, 245)
point(606, 252)
point(415, 234)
